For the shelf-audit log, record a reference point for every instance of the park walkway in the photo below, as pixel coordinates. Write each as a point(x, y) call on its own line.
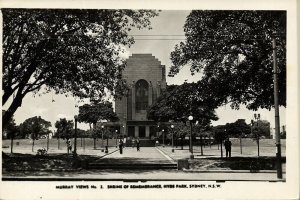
point(146, 158)
point(132, 156)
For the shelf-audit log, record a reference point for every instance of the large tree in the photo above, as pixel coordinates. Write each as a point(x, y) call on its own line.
point(36, 127)
point(64, 128)
point(69, 51)
point(92, 113)
point(178, 102)
point(233, 50)
point(238, 129)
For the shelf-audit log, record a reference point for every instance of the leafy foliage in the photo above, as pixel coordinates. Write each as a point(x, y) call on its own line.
point(180, 101)
point(239, 128)
point(92, 113)
point(260, 128)
point(233, 50)
point(180, 129)
point(64, 128)
point(202, 130)
point(219, 133)
point(35, 127)
point(69, 51)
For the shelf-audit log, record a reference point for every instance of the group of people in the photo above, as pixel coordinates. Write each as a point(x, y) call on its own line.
point(134, 142)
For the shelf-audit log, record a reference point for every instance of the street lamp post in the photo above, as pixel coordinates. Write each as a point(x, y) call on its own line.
point(102, 130)
point(163, 137)
point(172, 127)
point(276, 106)
point(257, 117)
point(106, 147)
point(123, 134)
point(47, 141)
point(191, 143)
point(75, 139)
point(222, 137)
point(116, 138)
point(201, 144)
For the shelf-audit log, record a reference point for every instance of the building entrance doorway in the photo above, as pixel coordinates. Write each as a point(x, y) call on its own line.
point(142, 131)
point(131, 131)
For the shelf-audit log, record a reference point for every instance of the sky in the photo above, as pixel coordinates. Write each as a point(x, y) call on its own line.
point(160, 42)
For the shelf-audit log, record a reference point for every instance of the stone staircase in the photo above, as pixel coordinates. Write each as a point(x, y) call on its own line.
point(133, 166)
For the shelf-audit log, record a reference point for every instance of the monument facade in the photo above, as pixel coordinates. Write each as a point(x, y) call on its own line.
point(146, 77)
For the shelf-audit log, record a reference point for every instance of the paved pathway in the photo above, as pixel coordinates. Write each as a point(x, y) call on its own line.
point(130, 155)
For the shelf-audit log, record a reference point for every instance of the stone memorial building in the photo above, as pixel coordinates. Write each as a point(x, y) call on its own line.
point(146, 77)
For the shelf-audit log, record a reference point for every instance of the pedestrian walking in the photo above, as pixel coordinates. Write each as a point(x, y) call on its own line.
point(156, 143)
point(121, 146)
point(69, 146)
point(138, 144)
point(227, 145)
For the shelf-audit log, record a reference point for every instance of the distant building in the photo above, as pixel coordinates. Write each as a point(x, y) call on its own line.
point(146, 77)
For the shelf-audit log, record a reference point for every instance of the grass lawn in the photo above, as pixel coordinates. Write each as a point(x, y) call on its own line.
point(235, 163)
point(29, 162)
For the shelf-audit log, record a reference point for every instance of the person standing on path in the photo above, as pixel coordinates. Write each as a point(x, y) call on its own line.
point(227, 145)
point(121, 146)
point(69, 145)
point(137, 144)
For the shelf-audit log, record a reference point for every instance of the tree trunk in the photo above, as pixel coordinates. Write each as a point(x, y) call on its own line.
point(32, 145)
point(11, 142)
point(201, 143)
point(48, 142)
point(241, 147)
point(7, 93)
point(258, 147)
point(181, 143)
point(221, 148)
point(58, 141)
point(17, 102)
point(95, 135)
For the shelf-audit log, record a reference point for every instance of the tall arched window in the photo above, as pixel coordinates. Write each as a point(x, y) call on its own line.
point(141, 94)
